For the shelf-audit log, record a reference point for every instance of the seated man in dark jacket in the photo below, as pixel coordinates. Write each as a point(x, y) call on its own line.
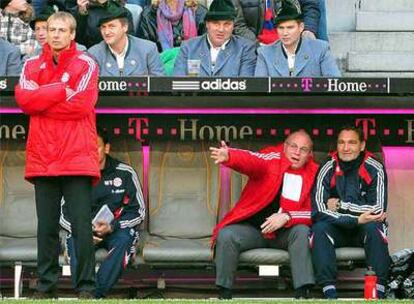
point(253, 16)
point(117, 209)
point(349, 201)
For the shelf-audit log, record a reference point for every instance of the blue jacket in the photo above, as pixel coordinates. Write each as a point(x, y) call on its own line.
point(361, 188)
point(141, 59)
point(237, 59)
point(10, 64)
point(313, 59)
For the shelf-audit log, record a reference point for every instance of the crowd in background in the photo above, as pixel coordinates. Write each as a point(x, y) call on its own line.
point(231, 38)
point(165, 23)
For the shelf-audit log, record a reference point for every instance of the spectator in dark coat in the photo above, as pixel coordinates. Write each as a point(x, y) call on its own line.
point(87, 14)
point(251, 16)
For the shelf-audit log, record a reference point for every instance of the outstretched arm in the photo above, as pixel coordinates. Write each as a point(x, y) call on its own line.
point(252, 164)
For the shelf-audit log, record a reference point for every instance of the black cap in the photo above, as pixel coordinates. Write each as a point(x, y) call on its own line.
point(113, 10)
point(43, 16)
point(4, 3)
point(221, 10)
point(291, 10)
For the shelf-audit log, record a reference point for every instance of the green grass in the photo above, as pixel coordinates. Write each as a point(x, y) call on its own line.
point(188, 301)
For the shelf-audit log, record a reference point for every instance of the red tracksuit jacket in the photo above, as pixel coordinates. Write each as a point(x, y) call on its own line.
point(266, 170)
point(62, 132)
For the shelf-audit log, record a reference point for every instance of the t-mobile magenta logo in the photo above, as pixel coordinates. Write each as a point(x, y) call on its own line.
point(307, 84)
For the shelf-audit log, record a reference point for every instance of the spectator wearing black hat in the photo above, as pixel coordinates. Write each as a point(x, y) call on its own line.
point(10, 64)
point(121, 54)
point(15, 16)
point(218, 52)
point(294, 55)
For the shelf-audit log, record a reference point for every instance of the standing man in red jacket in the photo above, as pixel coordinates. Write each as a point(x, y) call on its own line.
point(58, 89)
point(273, 211)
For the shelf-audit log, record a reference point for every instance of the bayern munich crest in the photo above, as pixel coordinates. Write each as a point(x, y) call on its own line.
point(117, 182)
point(65, 77)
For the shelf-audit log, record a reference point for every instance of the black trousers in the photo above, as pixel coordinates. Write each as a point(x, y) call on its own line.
point(327, 237)
point(76, 190)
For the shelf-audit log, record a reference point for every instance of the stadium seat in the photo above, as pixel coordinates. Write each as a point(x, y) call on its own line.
point(18, 224)
point(183, 204)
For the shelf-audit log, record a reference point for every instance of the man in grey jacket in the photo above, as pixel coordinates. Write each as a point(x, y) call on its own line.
point(10, 64)
point(217, 53)
point(120, 54)
point(292, 55)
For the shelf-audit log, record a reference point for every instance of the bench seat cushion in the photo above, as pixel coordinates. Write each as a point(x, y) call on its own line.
point(18, 249)
point(158, 249)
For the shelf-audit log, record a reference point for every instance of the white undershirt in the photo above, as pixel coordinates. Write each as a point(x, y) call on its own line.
point(120, 58)
point(291, 58)
point(292, 186)
point(214, 51)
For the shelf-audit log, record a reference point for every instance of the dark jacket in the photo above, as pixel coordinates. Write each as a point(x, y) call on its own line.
point(87, 30)
point(250, 16)
point(147, 28)
point(119, 189)
point(360, 188)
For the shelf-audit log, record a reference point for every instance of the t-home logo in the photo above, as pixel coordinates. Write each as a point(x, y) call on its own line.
point(217, 84)
point(112, 85)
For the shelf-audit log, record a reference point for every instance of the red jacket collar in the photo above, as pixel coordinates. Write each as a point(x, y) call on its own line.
point(64, 56)
point(363, 173)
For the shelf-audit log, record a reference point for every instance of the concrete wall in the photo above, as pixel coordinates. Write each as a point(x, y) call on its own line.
point(341, 15)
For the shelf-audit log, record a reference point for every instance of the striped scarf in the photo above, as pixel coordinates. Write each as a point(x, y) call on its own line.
point(166, 19)
point(268, 34)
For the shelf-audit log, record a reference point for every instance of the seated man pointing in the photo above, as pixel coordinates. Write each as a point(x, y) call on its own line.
point(272, 212)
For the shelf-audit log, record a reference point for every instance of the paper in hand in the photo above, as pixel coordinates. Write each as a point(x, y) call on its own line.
point(103, 215)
